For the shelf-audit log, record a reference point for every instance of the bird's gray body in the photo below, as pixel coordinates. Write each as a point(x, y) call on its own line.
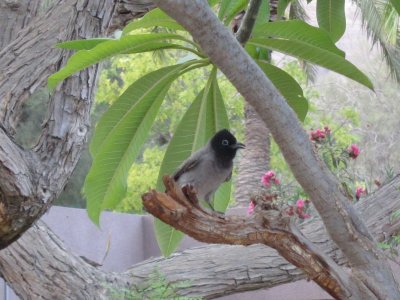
point(202, 171)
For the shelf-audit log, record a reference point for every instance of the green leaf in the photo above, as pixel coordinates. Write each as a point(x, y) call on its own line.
point(331, 17)
point(263, 14)
point(297, 30)
point(81, 44)
point(155, 17)
point(288, 87)
point(315, 55)
point(119, 136)
point(212, 2)
point(230, 8)
point(128, 44)
point(396, 5)
point(282, 5)
point(205, 116)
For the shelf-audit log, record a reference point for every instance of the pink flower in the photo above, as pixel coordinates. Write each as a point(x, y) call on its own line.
point(360, 191)
point(269, 177)
point(300, 203)
point(317, 135)
point(250, 209)
point(353, 151)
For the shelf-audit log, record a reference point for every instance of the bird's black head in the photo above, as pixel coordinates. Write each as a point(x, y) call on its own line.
point(225, 146)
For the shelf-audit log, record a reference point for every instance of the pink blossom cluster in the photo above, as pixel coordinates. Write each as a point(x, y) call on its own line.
point(299, 210)
point(353, 151)
point(319, 134)
point(359, 192)
point(269, 178)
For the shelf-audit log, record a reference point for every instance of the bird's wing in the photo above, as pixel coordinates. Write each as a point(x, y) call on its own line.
point(188, 164)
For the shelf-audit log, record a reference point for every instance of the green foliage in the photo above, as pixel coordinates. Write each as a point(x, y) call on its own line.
point(308, 43)
point(155, 287)
point(288, 87)
point(230, 8)
point(106, 49)
point(282, 5)
point(155, 17)
point(396, 5)
point(331, 17)
point(145, 116)
point(81, 44)
point(119, 136)
point(142, 177)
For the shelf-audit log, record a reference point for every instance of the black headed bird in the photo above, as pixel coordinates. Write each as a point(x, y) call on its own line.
point(206, 169)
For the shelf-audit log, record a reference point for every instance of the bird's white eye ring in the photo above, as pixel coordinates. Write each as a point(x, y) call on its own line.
point(225, 142)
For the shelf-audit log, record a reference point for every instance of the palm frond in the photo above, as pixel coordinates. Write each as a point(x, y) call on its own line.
point(381, 22)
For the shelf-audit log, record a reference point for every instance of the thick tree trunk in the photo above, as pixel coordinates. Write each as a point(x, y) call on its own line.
point(212, 271)
point(15, 15)
point(26, 63)
point(255, 158)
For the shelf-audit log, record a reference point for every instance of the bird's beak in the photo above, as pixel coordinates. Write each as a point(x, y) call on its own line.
point(238, 146)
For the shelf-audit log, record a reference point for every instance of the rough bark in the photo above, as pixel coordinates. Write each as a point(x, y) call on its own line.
point(341, 220)
point(26, 63)
point(15, 15)
point(127, 10)
point(213, 271)
point(254, 161)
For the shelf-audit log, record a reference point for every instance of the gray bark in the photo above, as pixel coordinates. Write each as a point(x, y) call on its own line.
point(26, 63)
point(254, 161)
point(213, 270)
point(15, 15)
point(341, 220)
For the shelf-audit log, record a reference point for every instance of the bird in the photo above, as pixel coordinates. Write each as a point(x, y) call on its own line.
point(207, 168)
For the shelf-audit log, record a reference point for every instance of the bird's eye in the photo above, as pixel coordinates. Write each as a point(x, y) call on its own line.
point(225, 142)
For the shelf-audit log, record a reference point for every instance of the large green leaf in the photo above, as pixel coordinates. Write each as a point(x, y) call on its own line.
point(119, 136)
point(263, 14)
point(315, 55)
point(297, 30)
point(82, 44)
point(230, 8)
point(205, 116)
point(155, 17)
point(396, 5)
point(282, 5)
point(331, 17)
point(288, 87)
point(128, 44)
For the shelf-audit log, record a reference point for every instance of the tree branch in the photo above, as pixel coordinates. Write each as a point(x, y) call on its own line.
point(181, 209)
point(248, 21)
point(342, 221)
